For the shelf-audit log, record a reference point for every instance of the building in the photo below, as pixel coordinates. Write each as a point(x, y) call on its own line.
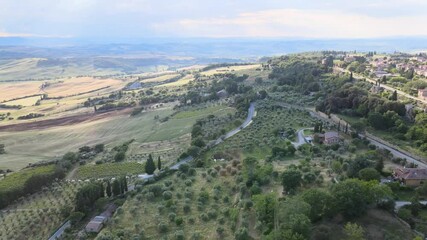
point(94, 227)
point(412, 177)
point(96, 224)
point(422, 93)
point(331, 138)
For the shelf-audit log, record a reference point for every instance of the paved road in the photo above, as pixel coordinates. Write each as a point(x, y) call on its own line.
point(400, 204)
point(394, 151)
point(247, 122)
point(300, 137)
point(60, 231)
point(357, 76)
point(376, 141)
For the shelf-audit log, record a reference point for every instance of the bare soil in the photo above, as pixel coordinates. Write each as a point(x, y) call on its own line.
point(63, 121)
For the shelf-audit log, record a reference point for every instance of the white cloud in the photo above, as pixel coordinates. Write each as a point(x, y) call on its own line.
point(299, 23)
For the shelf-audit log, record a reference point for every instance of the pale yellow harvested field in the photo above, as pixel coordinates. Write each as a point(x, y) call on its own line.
point(11, 90)
point(29, 101)
point(160, 78)
point(75, 86)
point(178, 83)
point(230, 69)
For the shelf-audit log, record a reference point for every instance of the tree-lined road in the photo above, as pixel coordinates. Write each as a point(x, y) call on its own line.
point(359, 77)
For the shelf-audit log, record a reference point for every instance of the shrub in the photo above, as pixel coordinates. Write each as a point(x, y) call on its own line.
point(162, 227)
point(179, 235)
point(212, 214)
point(220, 230)
point(172, 217)
point(186, 208)
point(167, 195)
point(204, 217)
point(203, 197)
point(188, 182)
point(179, 221)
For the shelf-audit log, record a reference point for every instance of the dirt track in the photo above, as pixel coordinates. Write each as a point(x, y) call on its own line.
point(63, 121)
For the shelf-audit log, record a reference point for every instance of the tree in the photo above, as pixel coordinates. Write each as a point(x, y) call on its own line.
point(291, 179)
point(354, 231)
point(265, 206)
point(368, 174)
point(87, 196)
point(2, 151)
point(320, 202)
point(150, 167)
point(116, 187)
point(293, 216)
point(159, 163)
point(379, 164)
point(109, 192)
point(99, 148)
point(119, 156)
point(350, 197)
point(376, 120)
point(393, 97)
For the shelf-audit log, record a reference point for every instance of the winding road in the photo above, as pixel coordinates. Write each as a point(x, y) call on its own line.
point(300, 137)
point(246, 123)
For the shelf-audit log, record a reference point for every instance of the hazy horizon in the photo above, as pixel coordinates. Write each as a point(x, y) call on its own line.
point(142, 19)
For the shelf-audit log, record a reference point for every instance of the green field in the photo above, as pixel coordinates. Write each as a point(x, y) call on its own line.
point(32, 146)
point(110, 170)
point(18, 179)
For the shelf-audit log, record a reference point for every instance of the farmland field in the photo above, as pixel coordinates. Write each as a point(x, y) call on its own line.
point(109, 170)
point(38, 215)
point(11, 90)
point(51, 143)
point(72, 86)
point(160, 78)
point(26, 102)
point(230, 69)
point(182, 212)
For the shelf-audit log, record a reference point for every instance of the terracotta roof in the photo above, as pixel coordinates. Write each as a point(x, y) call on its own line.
point(411, 173)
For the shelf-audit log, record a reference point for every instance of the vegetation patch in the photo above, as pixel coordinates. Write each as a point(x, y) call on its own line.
point(110, 170)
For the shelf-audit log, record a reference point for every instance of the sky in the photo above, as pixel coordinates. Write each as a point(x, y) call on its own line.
point(139, 19)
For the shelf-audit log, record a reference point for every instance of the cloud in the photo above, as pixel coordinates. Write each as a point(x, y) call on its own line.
point(299, 23)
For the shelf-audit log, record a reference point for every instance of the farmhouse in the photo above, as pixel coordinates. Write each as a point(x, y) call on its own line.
point(331, 137)
point(422, 93)
point(413, 177)
point(96, 224)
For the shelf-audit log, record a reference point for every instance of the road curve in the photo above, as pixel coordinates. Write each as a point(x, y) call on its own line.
point(246, 123)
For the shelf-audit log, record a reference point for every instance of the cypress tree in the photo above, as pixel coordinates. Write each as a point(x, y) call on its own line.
point(116, 187)
point(150, 167)
point(109, 188)
point(159, 163)
point(125, 183)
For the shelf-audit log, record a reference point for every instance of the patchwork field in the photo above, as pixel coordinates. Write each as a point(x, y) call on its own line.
point(230, 69)
point(73, 86)
point(26, 102)
point(12, 90)
point(33, 145)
